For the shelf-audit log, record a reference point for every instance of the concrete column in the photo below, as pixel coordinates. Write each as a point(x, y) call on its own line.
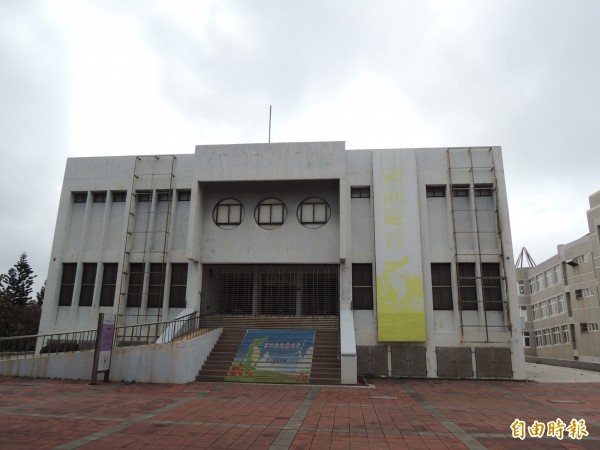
point(79, 273)
point(194, 235)
point(76, 291)
point(149, 240)
point(476, 246)
point(345, 251)
point(95, 309)
point(170, 229)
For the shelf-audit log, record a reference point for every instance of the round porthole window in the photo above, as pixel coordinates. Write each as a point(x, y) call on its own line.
point(313, 212)
point(228, 213)
point(270, 213)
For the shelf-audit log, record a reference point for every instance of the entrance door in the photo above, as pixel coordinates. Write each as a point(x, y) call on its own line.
point(277, 294)
point(265, 289)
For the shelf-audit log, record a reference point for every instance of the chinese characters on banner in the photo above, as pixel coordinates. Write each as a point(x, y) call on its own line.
point(400, 293)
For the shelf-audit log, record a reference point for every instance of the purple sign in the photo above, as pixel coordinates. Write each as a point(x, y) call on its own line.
point(107, 332)
point(106, 338)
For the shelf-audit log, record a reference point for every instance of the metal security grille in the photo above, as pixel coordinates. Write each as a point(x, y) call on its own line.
point(492, 286)
point(441, 287)
point(285, 290)
point(467, 287)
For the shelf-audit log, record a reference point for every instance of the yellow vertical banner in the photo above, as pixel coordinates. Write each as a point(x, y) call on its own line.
point(400, 295)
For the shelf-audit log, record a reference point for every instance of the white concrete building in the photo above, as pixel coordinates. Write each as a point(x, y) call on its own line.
point(410, 248)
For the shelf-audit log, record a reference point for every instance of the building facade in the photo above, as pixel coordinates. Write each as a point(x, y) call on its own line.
point(559, 300)
point(411, 248)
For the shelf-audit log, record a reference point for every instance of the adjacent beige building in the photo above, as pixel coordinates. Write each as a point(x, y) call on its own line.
point(559, 298)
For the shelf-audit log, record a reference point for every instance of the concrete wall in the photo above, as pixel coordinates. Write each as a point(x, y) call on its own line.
point(94, 232)
point(175, 362)
point(288, 244)
point(584, 365)
point(280, 161)
point(437, 245)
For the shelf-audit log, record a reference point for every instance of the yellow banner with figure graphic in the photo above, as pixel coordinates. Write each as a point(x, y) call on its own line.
point(400, 295)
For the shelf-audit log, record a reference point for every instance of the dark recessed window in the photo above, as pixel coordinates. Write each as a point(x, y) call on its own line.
point(270, 213)
point(156, 287)
point(80, 197)
point(362, 286)
point(360, 192)
point(435, 191)
point(467, 287)
point(460, 191)
point(88, 280)
point(118, 197)
point(67, 284)
point(99, 197)
point(441, 287)
point(144, 197)
point(483, 190)
point(228, 213)
point(492, 286)
point(313, 212)
point(109, 284)
point(178, 285)
point(184, 196)
point(136, 283)
point(164, 196)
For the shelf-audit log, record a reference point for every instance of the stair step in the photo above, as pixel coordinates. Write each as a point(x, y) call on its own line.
point(325, 367)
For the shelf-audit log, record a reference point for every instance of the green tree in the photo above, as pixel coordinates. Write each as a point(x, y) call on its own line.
point(40, 295)
point(17, 284)
point(19, 313)
point(18, 320)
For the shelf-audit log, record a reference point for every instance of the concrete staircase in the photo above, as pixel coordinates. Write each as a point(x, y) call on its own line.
point(220, 359)
point(325, 366)
point(326, 362)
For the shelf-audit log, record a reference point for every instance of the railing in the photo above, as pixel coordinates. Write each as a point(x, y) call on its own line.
point(318, 322)
point(186, 327)
point(24, 346)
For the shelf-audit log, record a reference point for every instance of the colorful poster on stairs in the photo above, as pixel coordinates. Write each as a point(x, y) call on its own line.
point(274, 356)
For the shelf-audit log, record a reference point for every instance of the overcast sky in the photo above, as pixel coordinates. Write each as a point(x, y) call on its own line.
point(100, 78)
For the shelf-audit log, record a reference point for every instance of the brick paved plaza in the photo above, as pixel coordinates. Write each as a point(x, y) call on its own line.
point(419, 414)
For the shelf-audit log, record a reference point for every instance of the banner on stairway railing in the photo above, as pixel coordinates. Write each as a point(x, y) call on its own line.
point(274, 356)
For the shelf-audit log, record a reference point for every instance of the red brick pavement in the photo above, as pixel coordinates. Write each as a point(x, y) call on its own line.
point(391, 414)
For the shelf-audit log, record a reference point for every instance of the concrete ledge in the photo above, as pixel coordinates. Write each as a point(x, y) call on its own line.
point(174, 362)
point(584, 365)
point(347, 347)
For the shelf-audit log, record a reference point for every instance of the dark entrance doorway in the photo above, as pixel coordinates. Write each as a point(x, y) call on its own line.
point(282, 290)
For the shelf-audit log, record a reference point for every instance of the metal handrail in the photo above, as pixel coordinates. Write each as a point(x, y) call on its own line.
point(186, 327)
point(68, 342)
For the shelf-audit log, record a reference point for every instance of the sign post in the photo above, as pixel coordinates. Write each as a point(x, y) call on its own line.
point(104, 344)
